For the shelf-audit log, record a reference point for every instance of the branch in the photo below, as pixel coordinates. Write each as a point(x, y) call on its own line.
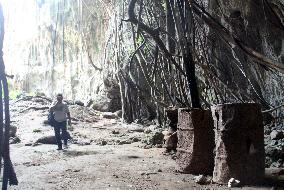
point(92, 63)
point(273, 109)
point(35, 108)
point(151, 32)
point(213, 23)
point(144, 93)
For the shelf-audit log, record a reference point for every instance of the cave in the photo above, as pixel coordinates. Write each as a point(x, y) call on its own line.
point(141, 94)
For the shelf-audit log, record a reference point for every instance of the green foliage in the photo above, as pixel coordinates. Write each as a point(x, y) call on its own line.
point(13, 94)
point(140, 40)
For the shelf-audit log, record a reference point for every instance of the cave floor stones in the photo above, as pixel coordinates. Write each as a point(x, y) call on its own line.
point(96, 157)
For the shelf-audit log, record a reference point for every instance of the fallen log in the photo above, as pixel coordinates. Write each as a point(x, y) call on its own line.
point(35, 108)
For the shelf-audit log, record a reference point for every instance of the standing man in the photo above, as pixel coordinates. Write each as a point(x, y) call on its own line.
point(61, 114)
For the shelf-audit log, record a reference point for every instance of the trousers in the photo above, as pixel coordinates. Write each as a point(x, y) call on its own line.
point(60, 127)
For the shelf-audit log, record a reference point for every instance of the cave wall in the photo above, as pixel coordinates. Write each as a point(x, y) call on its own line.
point(258, 25)
point(73, 47)
point(60, 47)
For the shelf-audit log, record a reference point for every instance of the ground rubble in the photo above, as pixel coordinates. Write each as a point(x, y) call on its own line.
point(274, 146)
point(103, 152)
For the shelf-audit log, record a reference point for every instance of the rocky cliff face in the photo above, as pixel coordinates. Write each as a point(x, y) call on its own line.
point(73, 47)
point(59, 47)
point(258, 25)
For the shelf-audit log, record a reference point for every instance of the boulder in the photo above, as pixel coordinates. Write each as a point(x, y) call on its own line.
point(151, 128)
point(47, 140)
point(79, 102)
point(101, 104)
point(89, 103)
point(50, 139)
point(154, 138)
point(82, 142)
point(135, 139)
point(40, 94)
point(109, 115)
point(274, 153)
point(69, 102)
point(14, 140)
point(233, 183)
point(122, 142)
point(13, 131)
point(118, 113)
point(170, 140)
point(115, 132)
point(109, 99)
point(104, 104)
point(276, 135)
point(201, 179)
point(103, 142)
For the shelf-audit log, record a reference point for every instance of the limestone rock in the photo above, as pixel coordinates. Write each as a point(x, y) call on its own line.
point(69, 102)
point(103, 142)
point(147, 131)
point(109, 115)
point(45, 122)
point(89, 103)
point(170, 140)
point(201, 179)
point(14, 140)
point(83, 142)
point(276, 135)
point(108, 100)
point(122, 142)
point(13, 131)
point(115, 132)
point(47, 140)
point(134, 139)
point(50, 139)
point(154, 138)
point(118, 113)
point(274, 153)
point(233, 183)
point(79, 102)
point(150, 129)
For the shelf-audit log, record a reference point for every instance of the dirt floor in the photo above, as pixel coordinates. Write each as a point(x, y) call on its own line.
point(103, 154)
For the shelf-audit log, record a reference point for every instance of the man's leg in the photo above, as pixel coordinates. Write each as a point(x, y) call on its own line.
point(57, 135)
point(64, 132)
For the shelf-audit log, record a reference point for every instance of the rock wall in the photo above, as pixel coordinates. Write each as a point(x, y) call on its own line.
point(59, 46)
point(259, 26)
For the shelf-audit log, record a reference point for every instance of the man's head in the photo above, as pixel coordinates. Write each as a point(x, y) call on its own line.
point(59, 97)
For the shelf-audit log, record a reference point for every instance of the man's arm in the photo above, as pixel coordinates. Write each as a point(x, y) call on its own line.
point(51, 109)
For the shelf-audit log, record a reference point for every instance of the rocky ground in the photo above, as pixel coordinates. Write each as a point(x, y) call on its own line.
point(103, 153)
point(274, 147)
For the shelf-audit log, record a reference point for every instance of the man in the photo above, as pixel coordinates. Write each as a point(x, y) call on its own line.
point(61, 114)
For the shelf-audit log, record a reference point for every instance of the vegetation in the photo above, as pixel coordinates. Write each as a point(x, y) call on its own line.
point(195, 56)
point(170, 53)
